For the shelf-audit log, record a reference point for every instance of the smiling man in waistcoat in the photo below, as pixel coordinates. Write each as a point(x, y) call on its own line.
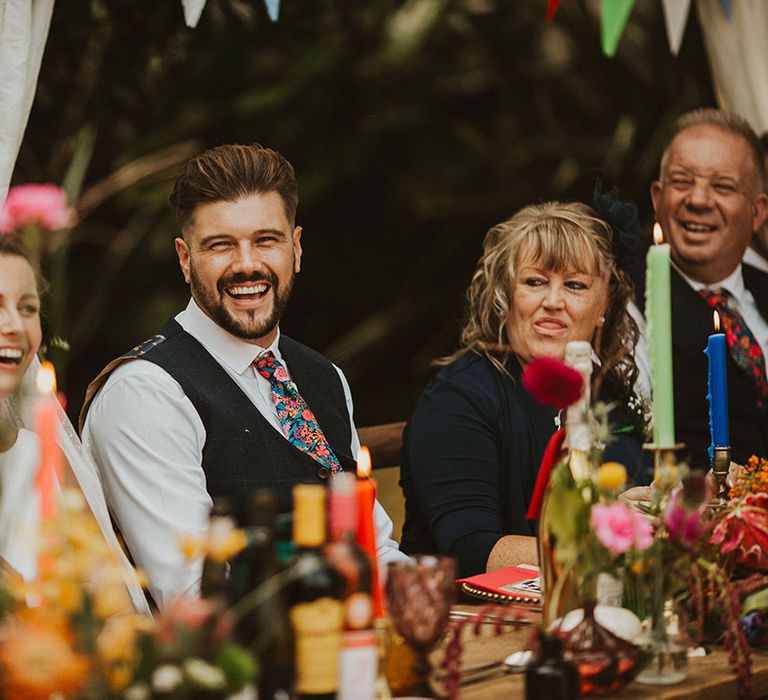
point(219, 402)
point(710, 200)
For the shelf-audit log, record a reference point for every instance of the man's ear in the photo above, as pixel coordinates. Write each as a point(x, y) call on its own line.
point(182, 250)
point(297, 249)
point(656, 191)
point(760, 211)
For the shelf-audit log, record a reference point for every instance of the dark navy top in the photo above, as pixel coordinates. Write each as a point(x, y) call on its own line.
point(471, 453)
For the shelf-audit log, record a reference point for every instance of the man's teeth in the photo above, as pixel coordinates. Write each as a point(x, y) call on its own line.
point(254, 289)
point(11, 353)
point(698, 228)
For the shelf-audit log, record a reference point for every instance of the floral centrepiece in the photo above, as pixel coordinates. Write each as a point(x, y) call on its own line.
point(72, 633)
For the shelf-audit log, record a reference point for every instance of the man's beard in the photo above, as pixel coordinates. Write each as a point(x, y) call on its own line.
point(214, 306)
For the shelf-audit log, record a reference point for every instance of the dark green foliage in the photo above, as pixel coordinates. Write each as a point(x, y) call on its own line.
point(413, 126)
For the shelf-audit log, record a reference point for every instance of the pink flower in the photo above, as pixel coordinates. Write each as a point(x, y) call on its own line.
point(281, 375)
point(306, 414)
point(685, 526)
point(552, 382)
point(36, 204)
point(619, 528)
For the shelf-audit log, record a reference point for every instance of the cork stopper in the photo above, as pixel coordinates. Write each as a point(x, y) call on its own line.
point(308, 515)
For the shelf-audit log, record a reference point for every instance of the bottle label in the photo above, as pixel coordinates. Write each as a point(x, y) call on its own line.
point(358, 666)
point(317, 627)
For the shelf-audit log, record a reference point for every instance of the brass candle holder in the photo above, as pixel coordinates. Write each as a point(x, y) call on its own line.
point(666, 475)
point(721, 464)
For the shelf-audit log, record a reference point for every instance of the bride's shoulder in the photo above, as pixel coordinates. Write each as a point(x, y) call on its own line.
point(26, 448)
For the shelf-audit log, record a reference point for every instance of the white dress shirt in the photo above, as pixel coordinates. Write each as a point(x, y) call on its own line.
point(739, 298)
point(752, 257)
point(147, 439)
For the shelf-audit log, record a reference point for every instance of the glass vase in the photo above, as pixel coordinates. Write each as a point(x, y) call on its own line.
point(665, 650)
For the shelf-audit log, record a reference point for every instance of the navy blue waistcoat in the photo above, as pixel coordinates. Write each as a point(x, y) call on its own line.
point(242, 450)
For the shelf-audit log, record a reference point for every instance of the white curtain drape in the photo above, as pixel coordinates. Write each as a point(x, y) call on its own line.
point(23, 31)
point(737, 49)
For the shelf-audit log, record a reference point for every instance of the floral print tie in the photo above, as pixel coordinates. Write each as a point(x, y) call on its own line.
point(300, 426)
point(744, 349)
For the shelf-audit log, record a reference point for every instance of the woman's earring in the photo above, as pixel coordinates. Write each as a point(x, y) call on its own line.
point(600, 321)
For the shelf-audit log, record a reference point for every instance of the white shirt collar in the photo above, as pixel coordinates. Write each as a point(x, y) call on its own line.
point(237, 354)
point(733, 284)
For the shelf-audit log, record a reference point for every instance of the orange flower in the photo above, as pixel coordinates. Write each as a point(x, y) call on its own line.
point(36, 661)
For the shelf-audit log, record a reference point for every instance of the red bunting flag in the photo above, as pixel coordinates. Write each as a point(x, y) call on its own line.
point(551, 9)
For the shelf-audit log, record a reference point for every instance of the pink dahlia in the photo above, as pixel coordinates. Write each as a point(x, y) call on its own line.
point(27, 205)
point(620, 528)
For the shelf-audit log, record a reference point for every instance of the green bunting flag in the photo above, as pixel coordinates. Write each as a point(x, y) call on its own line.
point(613, 18)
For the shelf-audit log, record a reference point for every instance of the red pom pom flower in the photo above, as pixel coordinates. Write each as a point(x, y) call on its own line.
point(553, 383)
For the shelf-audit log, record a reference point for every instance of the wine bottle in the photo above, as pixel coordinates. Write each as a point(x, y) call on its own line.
point(316, 612)
point(215, 579)
point(550, 677)
point(264, 626)
point(358, 663)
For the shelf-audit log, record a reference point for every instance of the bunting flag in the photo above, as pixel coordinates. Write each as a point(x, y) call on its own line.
point(551, 9)
point(192, 11)
point(273, 9)
point(675, 17)
point(613, 18)
point(727, 8)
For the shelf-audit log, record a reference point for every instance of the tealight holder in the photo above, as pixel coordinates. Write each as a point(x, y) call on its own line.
point(721, 464)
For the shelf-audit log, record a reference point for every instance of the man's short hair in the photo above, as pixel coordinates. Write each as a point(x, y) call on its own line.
point(227, 173)
point(726, 121)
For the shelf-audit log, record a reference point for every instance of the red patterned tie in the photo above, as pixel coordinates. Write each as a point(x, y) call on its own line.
point(300, 426)
point(742, 345)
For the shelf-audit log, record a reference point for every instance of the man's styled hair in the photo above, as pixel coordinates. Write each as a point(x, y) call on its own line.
point(227, 173)
point(725, 121)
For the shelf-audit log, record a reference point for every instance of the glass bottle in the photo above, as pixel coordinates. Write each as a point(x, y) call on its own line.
point(358, 664)
point(215, 578)
point(263, 625)
point(316, 611)
point(550, 677)
point(560, 592)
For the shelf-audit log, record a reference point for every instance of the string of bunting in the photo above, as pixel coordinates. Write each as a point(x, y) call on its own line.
point(614, 15)
point(194, 8)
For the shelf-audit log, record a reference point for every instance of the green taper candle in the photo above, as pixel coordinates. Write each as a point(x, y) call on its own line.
point(658, 314)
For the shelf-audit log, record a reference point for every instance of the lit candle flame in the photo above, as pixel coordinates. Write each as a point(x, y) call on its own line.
point(363, 462)
point(46, 378)
point(658, 234)
point(716, 318)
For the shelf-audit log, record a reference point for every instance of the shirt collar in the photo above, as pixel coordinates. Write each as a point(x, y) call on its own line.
point(235, 353)
point(733, 284)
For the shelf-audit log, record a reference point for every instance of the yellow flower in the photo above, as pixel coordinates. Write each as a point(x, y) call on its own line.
point(611, 476)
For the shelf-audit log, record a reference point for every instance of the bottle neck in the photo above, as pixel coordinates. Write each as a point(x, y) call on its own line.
point(309, 516)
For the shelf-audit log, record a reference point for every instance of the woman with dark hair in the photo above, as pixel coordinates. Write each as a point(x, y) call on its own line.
point(473, 446)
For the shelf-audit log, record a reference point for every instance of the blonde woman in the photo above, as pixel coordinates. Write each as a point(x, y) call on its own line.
point(475, 441)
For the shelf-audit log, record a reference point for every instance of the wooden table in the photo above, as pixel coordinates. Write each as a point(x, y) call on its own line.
point(709, 677)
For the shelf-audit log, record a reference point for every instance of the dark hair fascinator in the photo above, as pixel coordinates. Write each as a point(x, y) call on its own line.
point(621, 216)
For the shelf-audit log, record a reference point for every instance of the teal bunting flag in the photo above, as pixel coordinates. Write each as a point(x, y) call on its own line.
point(727, 8)
point(273, 9)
